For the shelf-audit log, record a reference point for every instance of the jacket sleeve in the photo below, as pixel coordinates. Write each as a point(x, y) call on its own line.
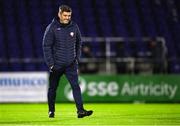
point(48, 41)
point(78, 44)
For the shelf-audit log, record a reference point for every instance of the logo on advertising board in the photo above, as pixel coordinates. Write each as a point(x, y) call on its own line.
point(109, 89)
point(93, 88)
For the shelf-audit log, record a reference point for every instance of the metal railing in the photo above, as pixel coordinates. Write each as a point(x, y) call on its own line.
point(109, 58)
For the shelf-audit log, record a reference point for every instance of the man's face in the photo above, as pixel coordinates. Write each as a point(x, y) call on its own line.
point(64, 17)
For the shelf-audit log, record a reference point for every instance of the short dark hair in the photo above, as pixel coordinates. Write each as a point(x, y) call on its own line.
point(65, 8)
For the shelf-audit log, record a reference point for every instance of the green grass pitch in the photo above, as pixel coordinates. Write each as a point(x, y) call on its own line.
point(104, 115)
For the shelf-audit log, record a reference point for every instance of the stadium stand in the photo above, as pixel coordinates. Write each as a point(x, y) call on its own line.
point(22, 25)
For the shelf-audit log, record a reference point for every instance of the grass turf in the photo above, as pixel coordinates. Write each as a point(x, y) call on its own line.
point(104, 114)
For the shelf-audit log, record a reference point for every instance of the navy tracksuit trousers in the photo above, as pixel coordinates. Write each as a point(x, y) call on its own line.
point(71, 74)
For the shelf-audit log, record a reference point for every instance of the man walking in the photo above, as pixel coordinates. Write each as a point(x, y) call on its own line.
point(62, 48)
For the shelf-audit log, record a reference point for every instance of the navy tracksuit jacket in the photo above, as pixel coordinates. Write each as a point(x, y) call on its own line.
point(62, 48)
point(61, 44)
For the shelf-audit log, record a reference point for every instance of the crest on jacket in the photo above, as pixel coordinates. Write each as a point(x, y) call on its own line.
point(71, 34)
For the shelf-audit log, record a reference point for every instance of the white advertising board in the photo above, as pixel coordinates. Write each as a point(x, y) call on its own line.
point(23, 86)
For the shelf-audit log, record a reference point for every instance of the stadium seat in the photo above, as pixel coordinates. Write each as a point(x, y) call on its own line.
point(23, 22)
